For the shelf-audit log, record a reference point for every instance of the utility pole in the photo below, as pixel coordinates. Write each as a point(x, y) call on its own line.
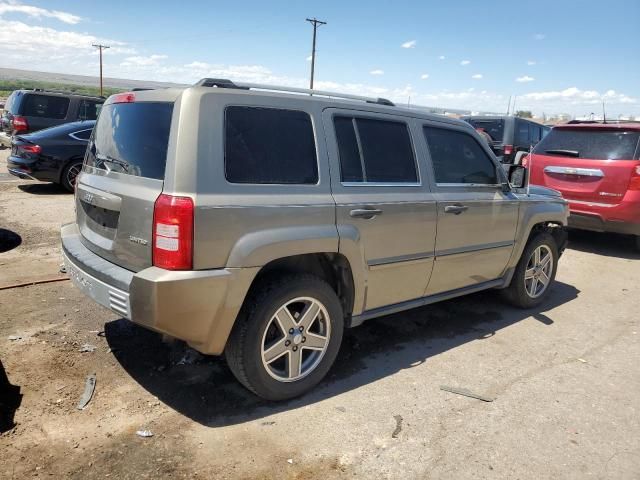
point(100, 47)
point(315, 22)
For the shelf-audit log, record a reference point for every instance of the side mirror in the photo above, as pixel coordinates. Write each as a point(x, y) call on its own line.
point(517, 176)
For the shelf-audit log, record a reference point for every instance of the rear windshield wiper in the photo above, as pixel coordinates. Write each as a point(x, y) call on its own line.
point(106, 158)
point(560, 151)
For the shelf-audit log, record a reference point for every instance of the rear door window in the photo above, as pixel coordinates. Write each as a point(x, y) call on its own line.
point(269, 146)
point(132, 138)
point(375, 151)
point(522, 133)
point(590, 143)
point(89, 109)
point(458, 158)
point(45, 106)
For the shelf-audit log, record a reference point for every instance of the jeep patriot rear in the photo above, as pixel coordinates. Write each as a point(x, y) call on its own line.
point(258, 224)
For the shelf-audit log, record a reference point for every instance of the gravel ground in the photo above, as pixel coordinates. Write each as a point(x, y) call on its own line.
point(564, 379)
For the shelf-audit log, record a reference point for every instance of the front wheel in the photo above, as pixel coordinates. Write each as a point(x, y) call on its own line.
point(286, 337)
point(534, 273)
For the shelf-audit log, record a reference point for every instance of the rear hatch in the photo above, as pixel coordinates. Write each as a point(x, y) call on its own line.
point(494, 128)
point(122, 177)
point(586, 163)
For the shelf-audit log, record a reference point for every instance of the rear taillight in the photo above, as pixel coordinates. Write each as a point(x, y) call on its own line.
point(508, 149)
point(19, 124)
point(173, 233)
point(634, 183)
point(36, 149)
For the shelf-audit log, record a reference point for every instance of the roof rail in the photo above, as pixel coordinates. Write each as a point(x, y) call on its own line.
point(223, 83)
point(601, 122)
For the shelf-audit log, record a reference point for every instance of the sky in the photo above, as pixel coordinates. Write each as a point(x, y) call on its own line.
point(560, 56)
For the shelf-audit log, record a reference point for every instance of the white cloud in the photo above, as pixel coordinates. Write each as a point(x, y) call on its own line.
point(139, 61)
point(540, 36)
point(464, 63)
point(531, 62)
point(525, 79)
point(409, 44)
point(37, 12)
point(477, 76)
point(377, 72)
point(424, 76)
point(309, 58)
point(441, 57)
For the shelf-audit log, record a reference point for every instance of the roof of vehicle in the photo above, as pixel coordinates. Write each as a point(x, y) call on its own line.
point(601, 126)
point(325, 99)
point(498, 117)
point(41, 91)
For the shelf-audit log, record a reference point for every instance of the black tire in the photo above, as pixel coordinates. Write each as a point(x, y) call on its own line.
point(516, 293)
point(244, 350)
point(69, 183)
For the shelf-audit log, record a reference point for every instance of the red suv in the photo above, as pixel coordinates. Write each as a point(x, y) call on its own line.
point(596, 166)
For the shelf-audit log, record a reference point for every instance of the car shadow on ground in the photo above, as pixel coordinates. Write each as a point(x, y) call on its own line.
point(607, 244)
point(43, 189)
point(9, 240)
point(203, 388)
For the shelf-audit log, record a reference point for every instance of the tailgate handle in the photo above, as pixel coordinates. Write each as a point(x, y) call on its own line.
point(585, 172)
point(455, 209)
point(98, 198)
point(367, 213)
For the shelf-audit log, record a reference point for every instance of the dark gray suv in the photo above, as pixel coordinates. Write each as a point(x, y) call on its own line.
point(28, 111)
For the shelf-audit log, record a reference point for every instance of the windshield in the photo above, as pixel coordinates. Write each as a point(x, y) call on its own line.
point(590, 143)
point(495, 128)
point(131, 138)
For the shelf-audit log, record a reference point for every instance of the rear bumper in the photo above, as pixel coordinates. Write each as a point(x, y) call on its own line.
point(199, 307)
point(623, 217)
point(31, 169)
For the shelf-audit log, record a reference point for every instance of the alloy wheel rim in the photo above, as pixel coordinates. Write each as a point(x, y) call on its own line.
point(537, 275)
point(296, 339)
point(72, 174)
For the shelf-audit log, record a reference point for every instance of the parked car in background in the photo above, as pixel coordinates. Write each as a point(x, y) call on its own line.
point(52, 155)
point(507, 135)
point(260, 224)
point(596, 166)
point(28, 111)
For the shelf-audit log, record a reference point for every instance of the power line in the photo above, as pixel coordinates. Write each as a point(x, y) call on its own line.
point(101, 47)
point(315, 22)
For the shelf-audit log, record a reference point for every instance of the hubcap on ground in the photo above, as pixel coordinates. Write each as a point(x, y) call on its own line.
point(295, 339)
point(537, 276)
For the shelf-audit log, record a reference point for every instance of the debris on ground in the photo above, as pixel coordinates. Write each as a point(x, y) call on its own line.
point(87, 347)
point(89, 388)
point(398, 429)
point(14, 337)
point(582, 360)
point(466, 393)
point(290, 461)
point(341, 409)
point(144, 433)
point(63, 268)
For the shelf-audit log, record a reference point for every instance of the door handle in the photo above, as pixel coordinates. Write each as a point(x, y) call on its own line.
point(367, 213)
point(455, 209)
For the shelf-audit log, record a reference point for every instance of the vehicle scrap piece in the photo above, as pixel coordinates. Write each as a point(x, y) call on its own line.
point(466, 393)
point(89, 388)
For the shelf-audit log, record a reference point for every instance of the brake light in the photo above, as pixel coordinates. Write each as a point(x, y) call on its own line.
point(173, 232)
point(31, 148)
point(126, 97)
point(508, 149)
point(19, 124)
point(634, 183)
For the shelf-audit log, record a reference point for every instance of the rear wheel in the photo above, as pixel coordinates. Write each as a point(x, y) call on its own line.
point(534, 273)
point(70, 173)
point(287, 336)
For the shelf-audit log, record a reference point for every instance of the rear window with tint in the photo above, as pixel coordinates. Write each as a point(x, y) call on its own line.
point(89, 109)
point(495, 128)
point(132, 138)
point(45, 106)
point(590, 144)
point(269, 146)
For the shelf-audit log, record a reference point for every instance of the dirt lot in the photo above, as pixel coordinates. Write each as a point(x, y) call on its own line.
point(565, 380)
